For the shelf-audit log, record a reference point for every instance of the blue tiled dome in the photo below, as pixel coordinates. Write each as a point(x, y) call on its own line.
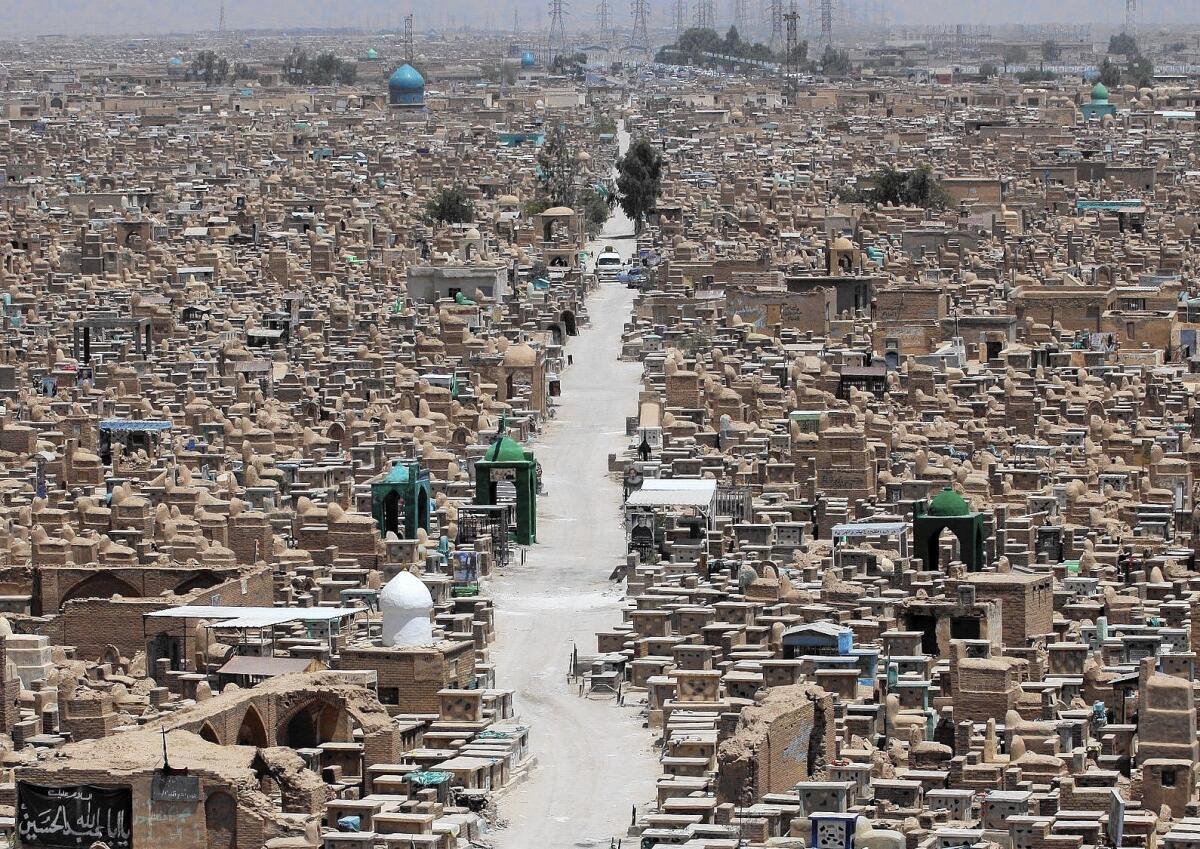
point(406, 87)
point(407, 79)
point(528, 60)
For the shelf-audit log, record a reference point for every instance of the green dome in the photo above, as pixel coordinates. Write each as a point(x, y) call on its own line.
point(948, 503)
point(1099, 92)
point(507, 450)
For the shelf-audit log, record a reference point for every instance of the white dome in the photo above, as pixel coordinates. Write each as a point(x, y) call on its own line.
point(406, 606)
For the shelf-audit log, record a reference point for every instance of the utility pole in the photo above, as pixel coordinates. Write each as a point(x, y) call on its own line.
point(221, 18)
point(1131, 18)
point(408, 39)
point(641, 37)
point(556, 40)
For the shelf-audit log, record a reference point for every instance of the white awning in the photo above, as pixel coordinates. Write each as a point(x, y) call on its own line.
point(870, 529)
point(255, 617)
point(674, 492)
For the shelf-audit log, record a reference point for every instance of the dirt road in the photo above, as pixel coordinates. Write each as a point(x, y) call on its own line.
point(594, 759)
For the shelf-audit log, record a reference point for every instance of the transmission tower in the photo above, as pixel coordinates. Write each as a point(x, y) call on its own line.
point(556, 39)
point(791, 47)
point(826, 15)
point(221, 18)
point(775, 17)
point(706, 14)
point(604, 19)
point(1131, 18)
point(741, 17)
point(641, 38)
point(408, 39)
point(680, 17)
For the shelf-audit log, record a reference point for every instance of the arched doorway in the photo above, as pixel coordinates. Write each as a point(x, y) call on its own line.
point(220, 820)
point(393, 512)
point(208, 733)
point(568, 320)
point(253, 732)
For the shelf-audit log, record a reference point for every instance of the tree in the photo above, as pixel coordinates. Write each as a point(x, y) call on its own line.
point(1140, 71)
point(1123, 44)
point(1051, 52)
point(557, 167)
point(210, 68)
point(595, 210)
point(450, 207)
point(1014, 54)
point(569, 64)
point(639, 180)
point(834, 62)
point(918, 187)
point(1110, 73)
point(988, 69)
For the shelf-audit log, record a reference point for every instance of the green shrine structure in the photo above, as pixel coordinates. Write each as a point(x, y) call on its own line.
point(400, 501)
point(948, 510)
point(506, 460)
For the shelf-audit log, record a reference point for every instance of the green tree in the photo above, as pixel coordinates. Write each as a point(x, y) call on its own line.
point(919, 187)
point(210, 68)
point(639, 180)
point(1014, 54)
point(595, 210)
point(451, 206)
point(923, 189)
point(557, 167)
point(835, 63)
point(1110, 73)
point(1123, 44)
point(988, 69)
point(1140, 72)
point(1051, 52)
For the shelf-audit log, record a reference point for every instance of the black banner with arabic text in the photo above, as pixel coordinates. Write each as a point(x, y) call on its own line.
point(75, 817)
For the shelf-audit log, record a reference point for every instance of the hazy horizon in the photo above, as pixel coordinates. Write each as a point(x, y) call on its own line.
point(147, 17)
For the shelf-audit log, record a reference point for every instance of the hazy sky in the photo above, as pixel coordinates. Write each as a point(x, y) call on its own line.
point(151, 16)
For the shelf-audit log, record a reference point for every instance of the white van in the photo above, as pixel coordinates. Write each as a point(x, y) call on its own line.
point(608, 263)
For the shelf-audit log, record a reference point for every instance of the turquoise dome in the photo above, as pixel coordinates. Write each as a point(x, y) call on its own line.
point(406, 78)
point(528, 60)
point(1100, 93)
point(175, 62)
point(372, 53)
